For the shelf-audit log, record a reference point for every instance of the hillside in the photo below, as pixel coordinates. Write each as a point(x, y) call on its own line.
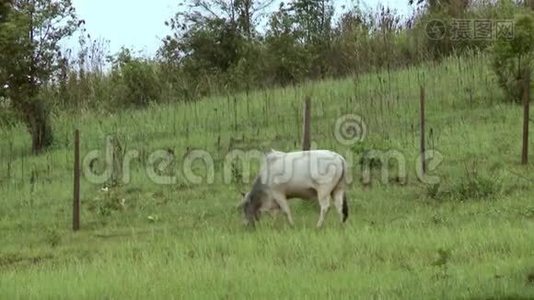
point(471, 236)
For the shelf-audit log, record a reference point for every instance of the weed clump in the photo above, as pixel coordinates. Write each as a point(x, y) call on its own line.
point(472, 186)
point(107, 202)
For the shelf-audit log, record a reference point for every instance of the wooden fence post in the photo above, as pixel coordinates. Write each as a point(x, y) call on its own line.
point(76, 200)
point(422, 120)
point(526, 120)
point(306, 141)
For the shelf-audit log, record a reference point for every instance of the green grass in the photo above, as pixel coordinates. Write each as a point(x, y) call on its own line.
point(470, 237)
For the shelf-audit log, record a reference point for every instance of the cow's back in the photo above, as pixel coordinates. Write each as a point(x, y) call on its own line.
point(297, 172)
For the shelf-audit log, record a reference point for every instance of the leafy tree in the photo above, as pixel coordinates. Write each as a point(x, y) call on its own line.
point(211, 38)
point(201, 25)
point(313, 18)
point(4, 10)
point(454, 8)
point(350, 53)
point(299, 40)
point(30, 56)
point(435, 22)
point(513, 56)
point(4, 116)
point(313, 21)
point(245, 14)
point(288, 59)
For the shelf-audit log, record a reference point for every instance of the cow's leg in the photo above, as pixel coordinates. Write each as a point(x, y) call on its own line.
point(284, 206)
point(273, 209)
point(324, 202)
point(338, 202)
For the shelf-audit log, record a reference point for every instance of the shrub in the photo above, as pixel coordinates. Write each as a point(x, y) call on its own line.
point(137, 80)
point(109, 200)
point(476, 187)
point(472, 186)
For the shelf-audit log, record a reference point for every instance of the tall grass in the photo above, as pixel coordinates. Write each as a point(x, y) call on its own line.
point(186, 240)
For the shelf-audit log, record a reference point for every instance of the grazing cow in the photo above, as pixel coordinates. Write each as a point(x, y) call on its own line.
point(314, 175)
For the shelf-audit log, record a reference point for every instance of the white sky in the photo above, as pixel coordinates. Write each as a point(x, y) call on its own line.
point(140, 25)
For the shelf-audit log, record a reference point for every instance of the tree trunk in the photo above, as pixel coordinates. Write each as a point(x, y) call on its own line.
point(39, 126)
point(36, 117)
point(34, 110)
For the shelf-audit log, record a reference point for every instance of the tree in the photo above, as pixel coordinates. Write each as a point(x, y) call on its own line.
point(454, 8)
point(513, 57)
point(30, 56)
point(212, 39)
point(4, 9)
point(208, 20)
point(289, 60)
point(245, 14)
point(312, 20)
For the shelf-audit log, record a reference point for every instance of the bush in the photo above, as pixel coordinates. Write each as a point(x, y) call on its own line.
point(107, 202)
point(476, 188)
point(513, 57)
point(472, 186)
point(137, 81)
point(140, 83)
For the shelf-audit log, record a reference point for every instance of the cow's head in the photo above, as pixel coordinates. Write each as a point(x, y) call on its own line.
point(251, 204)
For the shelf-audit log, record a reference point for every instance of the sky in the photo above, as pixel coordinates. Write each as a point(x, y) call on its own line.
point(139, 25)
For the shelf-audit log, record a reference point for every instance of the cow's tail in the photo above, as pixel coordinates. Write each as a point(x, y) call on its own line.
point(342, 185)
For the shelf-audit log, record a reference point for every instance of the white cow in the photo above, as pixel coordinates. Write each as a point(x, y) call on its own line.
point(314, 175)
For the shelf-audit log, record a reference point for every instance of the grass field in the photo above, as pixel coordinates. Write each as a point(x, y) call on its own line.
point(470, 237)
